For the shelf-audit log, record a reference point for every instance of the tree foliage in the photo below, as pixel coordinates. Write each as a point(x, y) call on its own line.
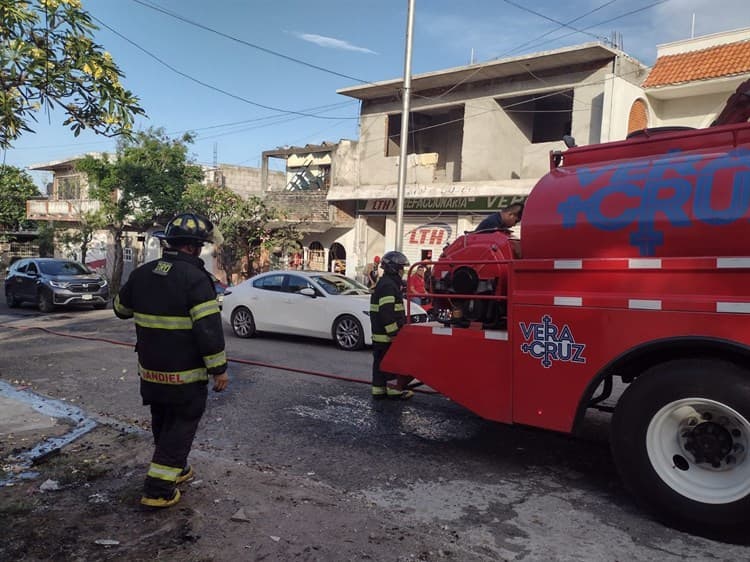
point(49, 60)
point(247, 227)
point(16, 186)
point(142, 183)
point(81, 236)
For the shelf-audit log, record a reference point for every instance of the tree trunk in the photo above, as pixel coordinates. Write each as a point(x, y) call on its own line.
point(117, 265)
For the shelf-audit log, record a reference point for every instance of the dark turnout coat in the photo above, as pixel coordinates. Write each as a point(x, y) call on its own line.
point(386, 309)
point(178, 324)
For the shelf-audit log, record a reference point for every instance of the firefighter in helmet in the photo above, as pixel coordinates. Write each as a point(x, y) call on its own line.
point(180, 344)
point(386, 318)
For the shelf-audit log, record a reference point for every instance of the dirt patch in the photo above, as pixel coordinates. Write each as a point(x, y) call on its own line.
point(232, 510)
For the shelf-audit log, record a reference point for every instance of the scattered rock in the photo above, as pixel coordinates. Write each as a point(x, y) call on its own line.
point(240, 515)
point(50, 486)
point(275, 538)
point(107, 542)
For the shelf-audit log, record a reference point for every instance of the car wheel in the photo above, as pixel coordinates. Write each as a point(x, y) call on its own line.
point(681, 442)
point(348, 333)
point(243, 324)
point(11, 300)
point(44, 301)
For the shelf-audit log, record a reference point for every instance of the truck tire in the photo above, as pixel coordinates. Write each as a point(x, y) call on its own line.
point(681, 443)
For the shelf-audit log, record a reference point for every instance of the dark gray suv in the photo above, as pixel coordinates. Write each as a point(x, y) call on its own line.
point(48, 282)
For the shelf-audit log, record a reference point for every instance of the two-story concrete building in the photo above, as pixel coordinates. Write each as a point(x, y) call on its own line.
point(479, 139)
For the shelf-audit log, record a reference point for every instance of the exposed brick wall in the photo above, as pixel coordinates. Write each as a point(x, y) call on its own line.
point(300, 205)
point(638, 117)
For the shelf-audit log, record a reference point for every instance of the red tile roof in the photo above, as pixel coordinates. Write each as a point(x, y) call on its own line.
point(714, 62)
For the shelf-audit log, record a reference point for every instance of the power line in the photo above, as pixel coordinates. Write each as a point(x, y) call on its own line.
point(626, 14)
point(551, 31)
point(553, 20)
point(247, 43)
point(211, 87)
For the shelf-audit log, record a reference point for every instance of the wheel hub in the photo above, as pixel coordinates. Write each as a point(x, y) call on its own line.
point(713, 442)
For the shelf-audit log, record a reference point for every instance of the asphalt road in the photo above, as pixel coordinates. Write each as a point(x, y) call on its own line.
point(511, 492)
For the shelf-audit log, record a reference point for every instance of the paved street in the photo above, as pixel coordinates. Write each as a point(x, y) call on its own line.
point(508, 493)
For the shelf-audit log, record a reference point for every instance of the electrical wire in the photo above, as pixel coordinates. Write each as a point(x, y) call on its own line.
point(210, 86)
point(247, 43)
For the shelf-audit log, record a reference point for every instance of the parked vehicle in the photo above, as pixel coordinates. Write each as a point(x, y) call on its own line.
point(633, 267)
point(48, 282)
point(305, 303)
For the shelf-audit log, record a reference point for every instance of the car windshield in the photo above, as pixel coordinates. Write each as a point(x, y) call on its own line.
point(62, 268)
point(340, 285)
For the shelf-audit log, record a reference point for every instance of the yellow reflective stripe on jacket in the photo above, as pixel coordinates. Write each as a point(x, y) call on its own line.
point(381, 338)
point(374, 307)
point(398, 307)
point(175, 377)
point(204, 309)
point(163, 322)
point(124, 310)
point(391, 328)
point(215, 360)
point(163, 472)
point(387, 300)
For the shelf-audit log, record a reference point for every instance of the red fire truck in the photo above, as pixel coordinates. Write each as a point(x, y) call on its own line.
point(633, 267)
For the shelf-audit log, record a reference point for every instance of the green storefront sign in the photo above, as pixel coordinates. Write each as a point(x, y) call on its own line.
point(432, 204)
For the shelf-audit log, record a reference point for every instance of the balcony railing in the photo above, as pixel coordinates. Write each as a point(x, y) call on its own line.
point(71, 210)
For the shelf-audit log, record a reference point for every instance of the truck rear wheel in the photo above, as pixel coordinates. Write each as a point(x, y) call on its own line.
point(681, 442)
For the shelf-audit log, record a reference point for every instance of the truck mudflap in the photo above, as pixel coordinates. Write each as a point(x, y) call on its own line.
point(454, 362)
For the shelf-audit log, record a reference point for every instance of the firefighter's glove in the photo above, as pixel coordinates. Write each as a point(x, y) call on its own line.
point(221, 382)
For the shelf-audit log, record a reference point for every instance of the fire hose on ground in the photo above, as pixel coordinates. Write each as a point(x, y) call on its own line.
point(229, 359)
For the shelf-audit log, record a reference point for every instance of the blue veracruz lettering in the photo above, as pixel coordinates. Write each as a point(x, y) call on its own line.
point(663, 189)
point(545, 341)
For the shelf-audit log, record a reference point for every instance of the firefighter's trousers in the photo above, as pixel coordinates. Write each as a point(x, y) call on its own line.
point(174, 427)
point(379, 378)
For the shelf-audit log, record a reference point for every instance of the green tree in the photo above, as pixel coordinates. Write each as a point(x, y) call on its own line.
point(81, 236)
point(246, 227)
point(141, 184)
point(49, 60)
point(16, 186)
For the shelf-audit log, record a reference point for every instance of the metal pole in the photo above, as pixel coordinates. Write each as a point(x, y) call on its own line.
point(404, 129)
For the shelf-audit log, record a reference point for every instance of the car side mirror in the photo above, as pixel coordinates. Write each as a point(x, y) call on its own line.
point(308, 292)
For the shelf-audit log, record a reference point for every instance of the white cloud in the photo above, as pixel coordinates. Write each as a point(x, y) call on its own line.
point(332, 43)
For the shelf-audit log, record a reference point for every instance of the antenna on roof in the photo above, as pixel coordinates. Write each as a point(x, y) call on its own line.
point(471, 60)
point(692, 27)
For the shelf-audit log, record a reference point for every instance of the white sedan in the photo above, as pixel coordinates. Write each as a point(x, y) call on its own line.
point(305, 303)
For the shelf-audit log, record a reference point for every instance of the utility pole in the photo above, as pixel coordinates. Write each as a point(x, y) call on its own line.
point(404, 129)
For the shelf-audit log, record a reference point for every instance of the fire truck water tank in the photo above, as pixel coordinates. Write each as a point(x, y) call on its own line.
point(691, 198)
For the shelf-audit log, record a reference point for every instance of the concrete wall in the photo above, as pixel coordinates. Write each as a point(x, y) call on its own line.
point(694, 111)
point(493, 142)
point(345, 164)
point(245, 181)
point(619, 95)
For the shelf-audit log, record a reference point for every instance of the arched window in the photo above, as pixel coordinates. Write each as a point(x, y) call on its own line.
point(638, 117)
point(337, 258)
point(317, 257)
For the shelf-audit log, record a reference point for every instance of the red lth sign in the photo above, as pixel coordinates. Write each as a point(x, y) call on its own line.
point(431, 234)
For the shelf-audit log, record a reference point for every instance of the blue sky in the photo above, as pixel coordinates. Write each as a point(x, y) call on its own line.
point(359, 39)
